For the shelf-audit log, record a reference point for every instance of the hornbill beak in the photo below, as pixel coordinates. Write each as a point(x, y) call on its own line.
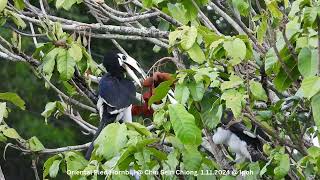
point(130, 64)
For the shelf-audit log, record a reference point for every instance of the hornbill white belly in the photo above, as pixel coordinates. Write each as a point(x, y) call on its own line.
point(116, 92)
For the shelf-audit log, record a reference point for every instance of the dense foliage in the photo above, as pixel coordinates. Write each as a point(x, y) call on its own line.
point(258, 59)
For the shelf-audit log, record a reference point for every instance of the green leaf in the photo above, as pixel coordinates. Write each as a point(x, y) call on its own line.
point(262, 29)
point(196, 54)
point(211, 118)
point(310, 15)
point(17, 20)
point(11, 133)
point(181, 93)
point(65, 4)
point(174, 36)
point(178, 12)
point(234, 100)
point(3, 4)
point(35, 144)
point(75, 52)
point(2, 138)
point(54, 168)
point(314, 152)
point(236, 49)
point(147, 3)
point(75, 161)
point(315, 104)
point(111, 140)
point(233, 82)
point(65, 65)
point(197, 90)
point(19, 4)
point(191, 158)
point(242, 6)
point(49, 61)
point(184, 125)
point(257, 90)
point(3, 111)
point(13, 98)
point(189, 38)
point(307, 63)
point(282, 80)
point(139, 128)
point(159, 117)
point(48, 164)
point(310, 86)
point(160, 92)
point(282, 170)
point(274, 9)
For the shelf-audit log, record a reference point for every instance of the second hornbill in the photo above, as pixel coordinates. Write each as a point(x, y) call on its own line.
point(116, 91)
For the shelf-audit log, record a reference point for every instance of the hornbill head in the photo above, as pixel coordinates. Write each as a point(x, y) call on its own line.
point(117, 63)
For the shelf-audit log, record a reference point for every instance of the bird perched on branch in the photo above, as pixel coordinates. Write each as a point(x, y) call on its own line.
point(150, 83)
point(240, 140)
point(116, 91)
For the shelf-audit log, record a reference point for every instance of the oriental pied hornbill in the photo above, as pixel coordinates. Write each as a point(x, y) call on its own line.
point(240, 140)
point(116, 91)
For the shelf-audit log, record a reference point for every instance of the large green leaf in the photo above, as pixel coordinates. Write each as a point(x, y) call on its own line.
point(315, 104)
point(234, 100)
point(66, 4)
point(242, 6)
point(111, 140)
point(49, 61)
point(139, 128)
point(65, 64)
point(257, 90)
point(75, 161)
point(274, 9)
point(48, 164)
point(178, 12)
point(35, 144)
point(236, 50)
point(54, 168)
point(160, 92)
point(284, 166)
point(234, 81)
point(3, 4)
point(282, 81)
point(75, 52)
point(181, 93)
point(310, 15)
point(211, 118)
point(191, 158)
point(3, 111)
point(196, 53)
point(189, 38)
point(308, 63)
point(310, 86)
point(197, 90)
point(14, 98)
point(184, 125)
point(11, 133)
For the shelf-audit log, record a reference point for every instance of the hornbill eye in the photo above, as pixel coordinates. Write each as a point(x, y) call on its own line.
point(124, 57)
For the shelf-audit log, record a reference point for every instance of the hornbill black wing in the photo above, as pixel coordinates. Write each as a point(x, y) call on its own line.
point(117, 93)
point(246, 135)
point(116, 96)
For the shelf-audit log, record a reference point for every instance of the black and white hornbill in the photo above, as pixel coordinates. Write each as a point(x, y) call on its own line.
point(116, 91)
point(241, 141)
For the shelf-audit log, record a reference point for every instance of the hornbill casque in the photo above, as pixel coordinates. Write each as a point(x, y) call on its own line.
point(116, 91)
